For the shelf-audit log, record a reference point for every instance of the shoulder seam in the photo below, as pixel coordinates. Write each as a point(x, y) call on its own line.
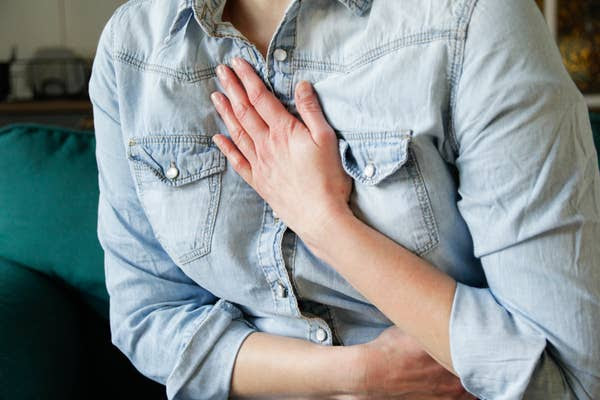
point(118, 14)
point(456, 69)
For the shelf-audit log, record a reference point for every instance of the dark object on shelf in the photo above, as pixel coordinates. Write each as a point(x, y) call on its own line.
point(57, 73)
point(4, 80)
point(5, 75)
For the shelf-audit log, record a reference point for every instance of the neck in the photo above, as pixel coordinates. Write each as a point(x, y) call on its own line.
point(257, 12)
point(255, 19)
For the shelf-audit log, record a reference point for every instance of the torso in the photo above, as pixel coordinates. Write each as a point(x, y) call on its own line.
point(218, 230)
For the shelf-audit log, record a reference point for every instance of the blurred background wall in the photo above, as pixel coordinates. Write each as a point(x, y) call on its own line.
point(46, 52)
point(30, 24)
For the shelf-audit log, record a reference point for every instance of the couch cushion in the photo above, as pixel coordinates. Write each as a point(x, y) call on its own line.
point(39, 334)
point(53, 348)
point(49, 201)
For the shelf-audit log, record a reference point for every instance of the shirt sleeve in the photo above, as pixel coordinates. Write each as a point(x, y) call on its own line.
point(172, 330)
point(530, 194)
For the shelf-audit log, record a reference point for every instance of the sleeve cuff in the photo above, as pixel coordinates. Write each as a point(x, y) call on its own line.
point(494, 353)
point(205, 367)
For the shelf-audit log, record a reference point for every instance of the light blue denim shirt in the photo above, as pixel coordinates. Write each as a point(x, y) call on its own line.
point(468, 144)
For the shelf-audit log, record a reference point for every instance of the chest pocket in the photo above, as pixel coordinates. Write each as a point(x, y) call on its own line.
point(389, 192)
point(179, 184)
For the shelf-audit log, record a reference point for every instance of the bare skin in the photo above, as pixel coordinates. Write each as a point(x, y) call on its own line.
point(401, 362)
point(255, 19)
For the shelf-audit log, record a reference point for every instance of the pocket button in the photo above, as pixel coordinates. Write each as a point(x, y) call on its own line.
point(172, 172)
point(369, 170)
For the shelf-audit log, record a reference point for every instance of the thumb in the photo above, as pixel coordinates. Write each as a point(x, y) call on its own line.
point(310, 110)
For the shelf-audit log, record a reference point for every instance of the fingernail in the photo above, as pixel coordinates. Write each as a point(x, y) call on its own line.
point(304, 89)
point(214, 96)
point(220, 71)
point(236, 61)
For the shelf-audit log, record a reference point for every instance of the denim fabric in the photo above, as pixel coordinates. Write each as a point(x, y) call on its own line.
point(468, 144)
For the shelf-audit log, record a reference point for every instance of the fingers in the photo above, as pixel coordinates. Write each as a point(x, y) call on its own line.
point(241, 106)
point(234, 156)
point(310, 110)
point(264, 102)
point(239, 135)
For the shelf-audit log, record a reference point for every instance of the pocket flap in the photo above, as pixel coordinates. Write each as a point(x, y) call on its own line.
point(177, 159)
point(371, 157)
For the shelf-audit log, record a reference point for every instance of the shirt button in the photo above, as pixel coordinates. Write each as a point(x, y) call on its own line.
point(280, 54)
point(369, 170)
point(275, 215)
point(281, 290)
point(321, 334)
point(172, 172)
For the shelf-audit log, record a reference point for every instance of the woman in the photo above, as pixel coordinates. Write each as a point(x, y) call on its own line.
point(436, 216)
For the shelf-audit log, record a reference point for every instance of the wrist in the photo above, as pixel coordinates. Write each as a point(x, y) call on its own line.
point(346, 369)
point(325, 227)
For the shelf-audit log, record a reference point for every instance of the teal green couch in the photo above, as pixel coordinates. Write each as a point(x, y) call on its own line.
point(54, 335)
point(54, 331)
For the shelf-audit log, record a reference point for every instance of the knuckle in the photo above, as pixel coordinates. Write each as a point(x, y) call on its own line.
point(247, 145)
point(279, 140)
point(257, 96)
point(238, 133)
point(241, 110)
point(264, 156)
point(310, 104)
point(288, 124)
point(238, 162)
point(327, 135)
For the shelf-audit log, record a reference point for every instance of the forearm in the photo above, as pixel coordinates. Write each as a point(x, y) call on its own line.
point(412, 293)
point(271, 366)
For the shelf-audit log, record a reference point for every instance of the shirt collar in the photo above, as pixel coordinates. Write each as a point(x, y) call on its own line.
point(359, 7)
point(204, 10)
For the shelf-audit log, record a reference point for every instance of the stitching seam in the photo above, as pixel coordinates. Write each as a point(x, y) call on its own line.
point(375, 53)
point(459, 43)
point(425, 204)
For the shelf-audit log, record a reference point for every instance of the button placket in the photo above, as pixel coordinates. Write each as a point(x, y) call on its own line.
point(280, 60)
point(269, 260)
point(278, 75)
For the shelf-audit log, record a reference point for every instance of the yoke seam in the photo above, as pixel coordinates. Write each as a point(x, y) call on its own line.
point(198, 75)
point(375, 53)
point(180, 75)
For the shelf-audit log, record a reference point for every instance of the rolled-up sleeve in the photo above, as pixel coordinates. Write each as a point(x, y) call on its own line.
point(529, 190)
point(171, 329)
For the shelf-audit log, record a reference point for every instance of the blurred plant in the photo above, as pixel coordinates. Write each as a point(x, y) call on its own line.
point(579, 41)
